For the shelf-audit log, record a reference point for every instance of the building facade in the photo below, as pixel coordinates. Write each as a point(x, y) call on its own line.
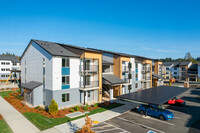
point(7, 65)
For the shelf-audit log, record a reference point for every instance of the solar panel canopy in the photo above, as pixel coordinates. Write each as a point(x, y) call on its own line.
point(157, 95)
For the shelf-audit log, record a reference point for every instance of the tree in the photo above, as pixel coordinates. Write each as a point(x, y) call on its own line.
point(188, 56)
point(86, 127)
point(53, 108)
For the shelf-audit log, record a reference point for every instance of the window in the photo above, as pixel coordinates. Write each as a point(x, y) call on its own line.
point(65, 97)
point(65, 80)
point(2, 69)
point(7, 75)
point(136, 85)
point(167, 68)
point(129, 65)
point(89, 94)
point(7, 69)
point(129, 76)
point(7, 63)
point(3, 76)
point(167, 72)
point(167, 77)
point(175, 73)
point(65, 62)
point(3, 63)
point(136, 65)
point(129, 87)
point(175, 68)
point(136, 75)
point(14, 76)
point(14, 64)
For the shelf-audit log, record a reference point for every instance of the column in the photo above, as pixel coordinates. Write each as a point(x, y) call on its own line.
point(111, 95)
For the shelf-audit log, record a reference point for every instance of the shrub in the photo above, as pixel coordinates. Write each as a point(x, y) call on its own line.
point(77, 108)
point(53, 108)
point(86, 107)
point(95, 105)
point(72, 110)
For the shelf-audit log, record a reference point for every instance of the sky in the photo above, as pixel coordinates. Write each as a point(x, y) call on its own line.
point(150, 28)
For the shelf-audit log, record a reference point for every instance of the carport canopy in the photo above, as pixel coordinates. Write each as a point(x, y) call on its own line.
point(31, 85)
point(157, 95)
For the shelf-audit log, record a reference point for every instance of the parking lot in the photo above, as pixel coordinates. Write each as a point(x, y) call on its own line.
point(134, 122)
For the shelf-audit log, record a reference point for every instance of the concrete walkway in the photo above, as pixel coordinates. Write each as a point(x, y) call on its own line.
point(17, 122)
point(101, 117)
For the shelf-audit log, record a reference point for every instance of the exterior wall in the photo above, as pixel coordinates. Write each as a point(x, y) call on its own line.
point(156, 64)
point(10, 67)
point(107, 57)
point(149, 83)
point(97, 56)
point(199, 73)
point(38, 96)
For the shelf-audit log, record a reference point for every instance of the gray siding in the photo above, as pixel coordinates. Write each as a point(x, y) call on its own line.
point(38, 96)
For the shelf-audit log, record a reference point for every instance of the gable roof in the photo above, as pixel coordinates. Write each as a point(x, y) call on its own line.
point(12, 58)
point(55, 49)
point(112, 79)
point(168, 63)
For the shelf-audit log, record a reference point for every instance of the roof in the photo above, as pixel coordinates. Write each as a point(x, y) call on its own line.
point(104, 62)
point(185, 63)
point(157, 95)
point(31, 85)
point(168, 63)
point(157, 76)
point(12, 58)
point(112, 79)
point(55, 49)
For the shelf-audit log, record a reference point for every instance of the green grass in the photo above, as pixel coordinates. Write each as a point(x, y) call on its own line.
point(43, 122)
point(5, 93)
point(4, 128)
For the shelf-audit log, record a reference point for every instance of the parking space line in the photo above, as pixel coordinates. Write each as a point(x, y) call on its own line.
point(154, 119)
point(118, 128)
point(140, 125)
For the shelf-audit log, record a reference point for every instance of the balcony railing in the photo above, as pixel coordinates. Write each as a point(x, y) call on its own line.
point(146, 69)
point(89, 68)
point(125, 69)
point(89, 84)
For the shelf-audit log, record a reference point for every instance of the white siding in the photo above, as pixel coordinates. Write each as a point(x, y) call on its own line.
point(57, 73)
point(139, 71)
point(74, 72)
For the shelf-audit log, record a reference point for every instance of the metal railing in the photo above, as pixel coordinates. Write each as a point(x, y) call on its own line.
point(89, 68)
point(89, 84)
point(125, 69)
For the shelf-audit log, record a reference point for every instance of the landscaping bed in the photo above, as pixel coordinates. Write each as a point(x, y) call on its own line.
point(43, 119)
point(4, 128)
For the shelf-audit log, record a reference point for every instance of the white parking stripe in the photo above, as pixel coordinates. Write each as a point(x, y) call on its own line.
point(106, 130)
point(154, 119)
point(141, 125)
point(118, 128)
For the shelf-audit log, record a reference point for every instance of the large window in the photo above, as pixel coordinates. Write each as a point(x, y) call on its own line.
point(65, 80)
point(175, 73)
point(65, 97)
point(65, 62)
point(3, 76)
point(14, 64)
point(2, 69)
point(175, 68)
point(136, 65)
point(7, 69)
point(136, 75)
point(7, 63)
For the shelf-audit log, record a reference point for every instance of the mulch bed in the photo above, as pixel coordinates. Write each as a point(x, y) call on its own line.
point(15, 101)
point(9, 89)
point(1, 117)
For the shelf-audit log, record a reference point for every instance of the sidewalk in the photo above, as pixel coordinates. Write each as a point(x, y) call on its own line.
point(17, 122)
point(101, 117)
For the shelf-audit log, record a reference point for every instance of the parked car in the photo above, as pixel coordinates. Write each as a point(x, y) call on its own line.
point(156, 111)
point(176, 101)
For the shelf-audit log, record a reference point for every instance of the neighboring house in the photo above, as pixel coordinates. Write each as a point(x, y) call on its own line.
point(157, 73)
point(192, 73)
point(75, 75)
point(9, 64)
point(167, 70)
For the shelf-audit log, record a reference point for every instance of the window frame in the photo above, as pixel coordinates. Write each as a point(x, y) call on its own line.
point(65, 97)
point(136, 85)
point(66, 63)
point(64, 76)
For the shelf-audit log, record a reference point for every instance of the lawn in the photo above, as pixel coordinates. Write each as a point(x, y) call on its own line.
point(5, 93)
point(4, 128)
point(43, 122)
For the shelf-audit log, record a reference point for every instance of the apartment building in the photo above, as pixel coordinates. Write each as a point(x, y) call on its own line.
point(157, 73)
point(199, 72)
point(75, 75)
point(70, 75)
point(8, 65)
point(167, 67)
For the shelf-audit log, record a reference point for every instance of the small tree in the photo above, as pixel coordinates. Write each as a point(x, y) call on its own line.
point(87, 126)
point(53, 108)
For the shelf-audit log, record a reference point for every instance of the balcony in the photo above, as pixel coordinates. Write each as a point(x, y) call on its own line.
point(89, 84)
point(125, 69)
point(146, 69)
point(89, 68)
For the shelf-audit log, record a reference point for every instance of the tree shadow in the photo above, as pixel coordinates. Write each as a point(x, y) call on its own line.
point(73, 127)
